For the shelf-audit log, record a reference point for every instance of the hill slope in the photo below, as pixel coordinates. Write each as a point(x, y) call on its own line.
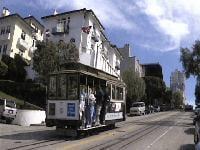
point(20, 103)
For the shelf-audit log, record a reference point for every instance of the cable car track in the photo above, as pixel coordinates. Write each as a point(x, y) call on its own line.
point(132, 137)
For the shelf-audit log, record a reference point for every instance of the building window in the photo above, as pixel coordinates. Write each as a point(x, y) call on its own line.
point(33, 43)
point(5, 49)
point(8, 29)
point(36, 29)
point(2, 30)
point(23, 35)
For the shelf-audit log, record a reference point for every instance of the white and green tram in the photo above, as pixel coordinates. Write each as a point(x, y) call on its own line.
point(69, 102)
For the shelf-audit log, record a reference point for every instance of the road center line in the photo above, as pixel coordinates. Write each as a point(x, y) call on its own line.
point(158, 138)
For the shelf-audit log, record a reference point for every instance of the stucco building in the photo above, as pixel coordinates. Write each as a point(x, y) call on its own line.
point(86, 31)
point(177, 82)
point(129, 61)
point(19, 35)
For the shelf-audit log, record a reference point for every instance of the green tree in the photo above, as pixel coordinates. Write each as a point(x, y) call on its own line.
point(155, 89)
point(178, 99)
point(190, 59)
point(16, 71)
point(197, 90)
point(20, 68)
point(45, 60)
point(3, 69)
point(135, 87)
point(167, 96)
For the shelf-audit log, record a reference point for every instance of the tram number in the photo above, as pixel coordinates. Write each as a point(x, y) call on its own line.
point(71, 110)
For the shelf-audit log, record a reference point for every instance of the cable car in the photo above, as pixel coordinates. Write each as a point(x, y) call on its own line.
point(82, 98)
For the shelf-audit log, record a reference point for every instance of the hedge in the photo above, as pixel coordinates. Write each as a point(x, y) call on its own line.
point(30, 92)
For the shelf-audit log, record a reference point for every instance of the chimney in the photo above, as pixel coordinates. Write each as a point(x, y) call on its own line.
point(5, 12)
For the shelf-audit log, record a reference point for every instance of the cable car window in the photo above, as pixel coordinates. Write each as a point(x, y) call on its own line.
point(119, 93)
point(61, 86)
point(83, 84)
point(113, 92)
point(52, 87)
point(109, 89)
point(72, 87)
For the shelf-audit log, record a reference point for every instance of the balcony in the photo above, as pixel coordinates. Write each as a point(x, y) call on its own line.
point(22, 44)
point(60, 29)
point(104, 53)
point(5, 37)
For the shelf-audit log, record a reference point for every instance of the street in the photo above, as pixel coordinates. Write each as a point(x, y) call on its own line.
point(159, 131)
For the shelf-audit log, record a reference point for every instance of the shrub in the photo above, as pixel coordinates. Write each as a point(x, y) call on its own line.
point(30, 92)
point(16, 71)
point(3, 69)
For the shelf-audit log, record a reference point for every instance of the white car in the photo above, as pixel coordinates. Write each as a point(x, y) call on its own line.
point(137, 108)
point(8, 110)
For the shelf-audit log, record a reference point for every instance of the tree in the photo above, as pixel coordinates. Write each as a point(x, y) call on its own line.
point(155, 89)
point(135, 87)
point(16, 71)
point(178, 99)
point(20, 70)
point(3, 69)
point(45, 60)
point(197, 91)
point(191, 60)
point(167, 96)
point(191, 63)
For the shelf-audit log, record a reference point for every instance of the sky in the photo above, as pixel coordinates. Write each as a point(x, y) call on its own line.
point(155, 29)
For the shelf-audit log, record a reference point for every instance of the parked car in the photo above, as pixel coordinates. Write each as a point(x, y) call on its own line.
point(196, 110)
point(137, 108)
point(149, 109)
point(8, 110)
point(188, 108)
point(156, 108)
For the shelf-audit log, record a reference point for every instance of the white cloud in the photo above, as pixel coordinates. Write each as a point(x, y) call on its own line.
point(108, 11)
point(175, 21)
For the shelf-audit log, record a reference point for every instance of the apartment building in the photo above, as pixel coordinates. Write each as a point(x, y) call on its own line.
point(130, 61)
point(19, 35)
point(177, 82)
point(152, 69)
point(84, 29)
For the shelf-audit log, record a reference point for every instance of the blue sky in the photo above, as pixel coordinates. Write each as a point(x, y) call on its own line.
point(155, 29)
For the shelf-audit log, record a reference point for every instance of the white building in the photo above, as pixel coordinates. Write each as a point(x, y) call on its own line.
point(130, 61)
point(177, 82)
point(88, 33)
point(18, 35)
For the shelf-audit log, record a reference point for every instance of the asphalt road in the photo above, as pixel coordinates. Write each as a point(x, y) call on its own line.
point(159, 131)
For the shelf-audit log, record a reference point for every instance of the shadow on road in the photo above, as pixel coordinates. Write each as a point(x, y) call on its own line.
point(36, 135)
point(187, 147)
point(189, 131)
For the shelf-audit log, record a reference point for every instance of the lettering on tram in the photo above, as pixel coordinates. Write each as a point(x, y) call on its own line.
point(81, 100)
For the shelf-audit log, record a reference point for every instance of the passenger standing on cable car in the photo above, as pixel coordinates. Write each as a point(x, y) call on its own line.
point(92, 101)
point(105, 102)
point(99, 99)
point(82, 106)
